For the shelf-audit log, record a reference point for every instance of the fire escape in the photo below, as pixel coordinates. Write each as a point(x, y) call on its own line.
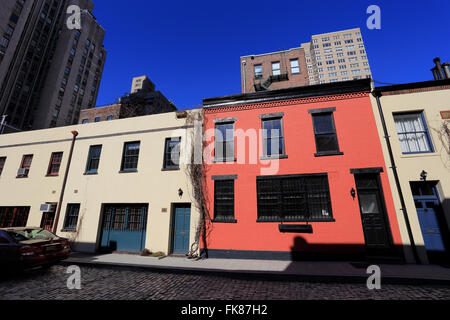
point(263, 85)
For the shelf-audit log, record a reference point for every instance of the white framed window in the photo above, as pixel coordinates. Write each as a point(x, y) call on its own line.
point(295, 67)
point(276, 70)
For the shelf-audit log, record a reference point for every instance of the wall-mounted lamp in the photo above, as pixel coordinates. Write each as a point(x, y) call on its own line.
point(353, 193)
point(180, 192)
point(423, 175)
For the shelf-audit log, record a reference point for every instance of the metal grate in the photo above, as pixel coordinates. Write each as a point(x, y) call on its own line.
point(224, 199)
point(293, 198)
point(13, 216)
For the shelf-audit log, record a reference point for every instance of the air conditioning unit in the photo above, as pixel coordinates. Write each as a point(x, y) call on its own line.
point(22, 172)
point(47, 207)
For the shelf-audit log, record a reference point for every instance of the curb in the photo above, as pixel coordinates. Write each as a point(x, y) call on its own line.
point(264, 275)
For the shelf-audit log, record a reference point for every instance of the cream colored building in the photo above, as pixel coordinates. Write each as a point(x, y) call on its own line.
point(145, 200)
point(417, 119)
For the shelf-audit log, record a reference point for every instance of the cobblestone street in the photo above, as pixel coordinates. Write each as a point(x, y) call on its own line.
point(110, 283)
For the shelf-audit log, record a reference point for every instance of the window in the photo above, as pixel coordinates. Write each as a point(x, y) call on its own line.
point(325, 132)
point(25, 166)
point(224, 142)
point(109, 118)
point(294, 198)
point(272, 135)
point(276, 71)
point(55, 164)
point(97, 119)
point(295, 68)
point(413, 133)
point(224, 200)
point(85, 121)
point(71, 220)
point(130, 156)
point(2, 164)
point(172, 153)
point(93, 159)
point(258, 71)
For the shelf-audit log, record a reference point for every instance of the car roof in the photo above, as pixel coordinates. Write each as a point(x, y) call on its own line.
point(20, 228)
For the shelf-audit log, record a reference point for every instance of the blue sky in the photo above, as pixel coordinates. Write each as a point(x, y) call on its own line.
point(191, 49)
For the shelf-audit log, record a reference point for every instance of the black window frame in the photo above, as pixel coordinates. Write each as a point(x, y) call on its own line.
point(71, 217)
point(220, 199)
point(167, 155)
point(89, 167)
point(280, 197)
point(325, 112)
point(224, 122)
point(273, 117)
point(125, 156)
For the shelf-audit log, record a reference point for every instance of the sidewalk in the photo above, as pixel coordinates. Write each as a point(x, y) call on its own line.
point(270, 269)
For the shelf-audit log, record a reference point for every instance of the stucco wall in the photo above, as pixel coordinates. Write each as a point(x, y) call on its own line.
point(148, 185)
point(409, 167)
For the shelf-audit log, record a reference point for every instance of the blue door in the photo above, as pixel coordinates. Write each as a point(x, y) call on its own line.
point(432, 236)
point(430, 216)
point(124, 228)
point(181, 229)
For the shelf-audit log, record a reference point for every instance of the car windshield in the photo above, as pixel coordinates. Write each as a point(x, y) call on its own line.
point(31, 234)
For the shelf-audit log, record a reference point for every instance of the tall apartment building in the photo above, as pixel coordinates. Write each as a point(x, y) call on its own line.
point(48, 73)
point(329, 57)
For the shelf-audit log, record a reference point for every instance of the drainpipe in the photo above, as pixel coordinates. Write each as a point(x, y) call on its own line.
point(63, 188)
point(243, 77)
point(377, 95)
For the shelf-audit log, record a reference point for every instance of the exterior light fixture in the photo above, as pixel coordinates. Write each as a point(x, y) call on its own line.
point(180, 192)
point(353, 193)
point(423, 175)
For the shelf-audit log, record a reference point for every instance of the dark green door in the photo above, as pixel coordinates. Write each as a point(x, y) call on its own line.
point(181, 229)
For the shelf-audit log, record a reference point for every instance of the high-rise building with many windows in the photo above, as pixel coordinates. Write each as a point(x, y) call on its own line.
point(48, 72)
point(328, 57)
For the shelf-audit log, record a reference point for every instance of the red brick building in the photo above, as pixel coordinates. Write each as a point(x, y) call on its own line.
point(298, 173)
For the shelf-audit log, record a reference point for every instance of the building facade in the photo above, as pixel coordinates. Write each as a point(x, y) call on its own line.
point(143, 100)
point(126, 190)
point(292, 175)
point(48, 73)
point(329, 57)
point(415, 118)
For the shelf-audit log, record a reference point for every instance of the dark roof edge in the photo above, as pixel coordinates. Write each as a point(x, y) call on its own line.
point(412, 85)
point(291, 93)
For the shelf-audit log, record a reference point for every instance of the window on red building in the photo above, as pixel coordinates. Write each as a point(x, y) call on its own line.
point(224, 142)
point(325, 132)
point(224, 199)
point(294, 198)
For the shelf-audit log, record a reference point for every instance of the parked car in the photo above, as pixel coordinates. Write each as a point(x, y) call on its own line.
point(26, 248)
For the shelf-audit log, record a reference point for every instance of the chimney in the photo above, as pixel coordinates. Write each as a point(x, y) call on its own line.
point(437, 71)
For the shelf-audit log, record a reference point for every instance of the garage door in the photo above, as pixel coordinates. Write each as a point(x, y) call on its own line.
point(124, 227)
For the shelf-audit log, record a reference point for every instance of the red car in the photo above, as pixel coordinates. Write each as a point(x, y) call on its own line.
point(26, 248)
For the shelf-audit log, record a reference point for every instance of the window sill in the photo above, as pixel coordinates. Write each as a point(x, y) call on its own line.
point(270, 220)
point(68, 231)
point(224, 160)
point(329, 153)
point(223, 220)
point(170, 169)
point(52, 175)
point(21, 177)
point(274, 157)
point(128, 171)
point(90, 173)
